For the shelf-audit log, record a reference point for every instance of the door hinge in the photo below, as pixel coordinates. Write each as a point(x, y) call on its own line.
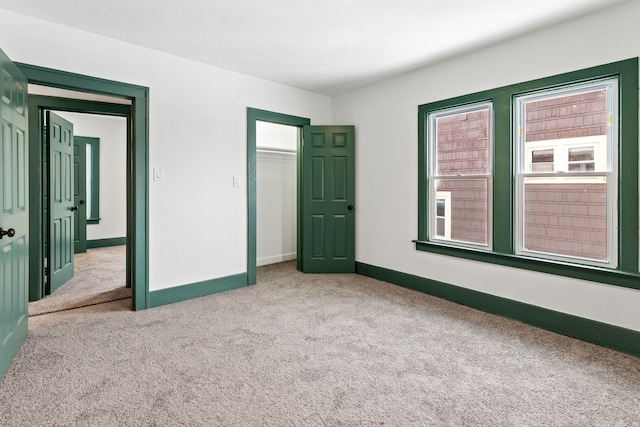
point(45, 130)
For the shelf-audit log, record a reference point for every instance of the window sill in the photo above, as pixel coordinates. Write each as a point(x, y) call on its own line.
point(576, 271)
point(93, 220)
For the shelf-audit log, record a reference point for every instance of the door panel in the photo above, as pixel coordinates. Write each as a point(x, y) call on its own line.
point(14, 212)
point(328, 196)
point(61, 202)
point(80, 194)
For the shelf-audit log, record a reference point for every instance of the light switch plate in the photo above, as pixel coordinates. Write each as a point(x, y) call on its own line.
point(236, 181)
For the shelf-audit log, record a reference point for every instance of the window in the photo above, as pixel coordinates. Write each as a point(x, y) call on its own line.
point(566, 206)
point(542, 160)
point(460, 145)
point(581, 159)
point(443, 215)
point(580, 154)
point(541, 175)
point(93, 180)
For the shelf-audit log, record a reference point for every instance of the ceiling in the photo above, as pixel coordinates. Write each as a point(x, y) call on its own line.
point(325, 46)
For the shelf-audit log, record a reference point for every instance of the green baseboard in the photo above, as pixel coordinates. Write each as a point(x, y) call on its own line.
point(196, 290)
point(603, 334)
point(103, 243)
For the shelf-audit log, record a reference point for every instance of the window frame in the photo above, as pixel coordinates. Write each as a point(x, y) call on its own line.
point(561, 166)
point(434, 176)
point(626, 273)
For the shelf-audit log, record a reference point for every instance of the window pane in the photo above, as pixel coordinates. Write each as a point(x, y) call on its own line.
point(462, 143)
point(469, 209)
point(542, 160)
point(581, 159)
point(580, 154)
point(555, 121)
point(440, 205)
point(568, 218)
point(440, 227)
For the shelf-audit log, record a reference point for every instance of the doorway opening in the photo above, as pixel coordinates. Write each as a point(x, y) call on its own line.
point(136, 112)
point(98, 249)
point(254, 116)
point(276, 155)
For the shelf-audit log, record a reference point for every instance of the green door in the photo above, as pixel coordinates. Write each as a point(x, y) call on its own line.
point(80, 194)
point(328, 197)
point(61, 202)
point(14, 212)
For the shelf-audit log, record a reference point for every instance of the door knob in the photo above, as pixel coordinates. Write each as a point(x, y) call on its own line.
point(350, 207)
point(74, 208)
point(10, 232)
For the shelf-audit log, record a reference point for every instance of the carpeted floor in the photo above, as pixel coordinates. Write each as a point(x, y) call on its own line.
point(311, 350)
point(99, 276)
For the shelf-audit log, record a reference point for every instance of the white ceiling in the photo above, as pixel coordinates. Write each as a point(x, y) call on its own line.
point(325, 46)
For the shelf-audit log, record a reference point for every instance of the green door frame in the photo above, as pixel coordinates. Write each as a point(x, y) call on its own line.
point(254, 115)
point(137, 169)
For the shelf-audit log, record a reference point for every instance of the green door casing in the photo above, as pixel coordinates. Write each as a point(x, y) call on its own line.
point(328, 216)
point(80, 194)
point(14, 212)
point(61, 202)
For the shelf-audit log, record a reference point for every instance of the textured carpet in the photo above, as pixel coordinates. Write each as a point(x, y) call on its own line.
point(99, 276)
point(311, 350)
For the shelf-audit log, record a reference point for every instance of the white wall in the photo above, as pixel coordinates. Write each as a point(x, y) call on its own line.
point(275, 207)
point(276, 136)
point(385, 116)
point(112, 132)
point(197, 133)
point(276, 196)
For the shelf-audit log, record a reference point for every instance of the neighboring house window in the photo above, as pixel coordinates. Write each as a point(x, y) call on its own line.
point(581, 159)
point(541, 175)
point(566, 201)
point(443, 215)
point(542, 160)
point(577, 154)
point(460, 146)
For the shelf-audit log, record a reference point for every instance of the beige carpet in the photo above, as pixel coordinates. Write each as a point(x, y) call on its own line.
point(311, 350)
point(99, 276)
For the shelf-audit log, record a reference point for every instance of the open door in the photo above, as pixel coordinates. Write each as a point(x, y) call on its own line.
point(14, 212)
point(80, 194)
point(328, 193)
point(61, 202)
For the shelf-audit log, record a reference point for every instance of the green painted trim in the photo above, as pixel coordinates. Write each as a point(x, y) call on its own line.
point(104, 243)
point(137, 160)
point(196, 290)
point(503, 252)
point(254, 115)
point(36, 205)
point(603, 334)
point(94, 206)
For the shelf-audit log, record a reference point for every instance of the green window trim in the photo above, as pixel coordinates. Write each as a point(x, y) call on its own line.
point(503, 252)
